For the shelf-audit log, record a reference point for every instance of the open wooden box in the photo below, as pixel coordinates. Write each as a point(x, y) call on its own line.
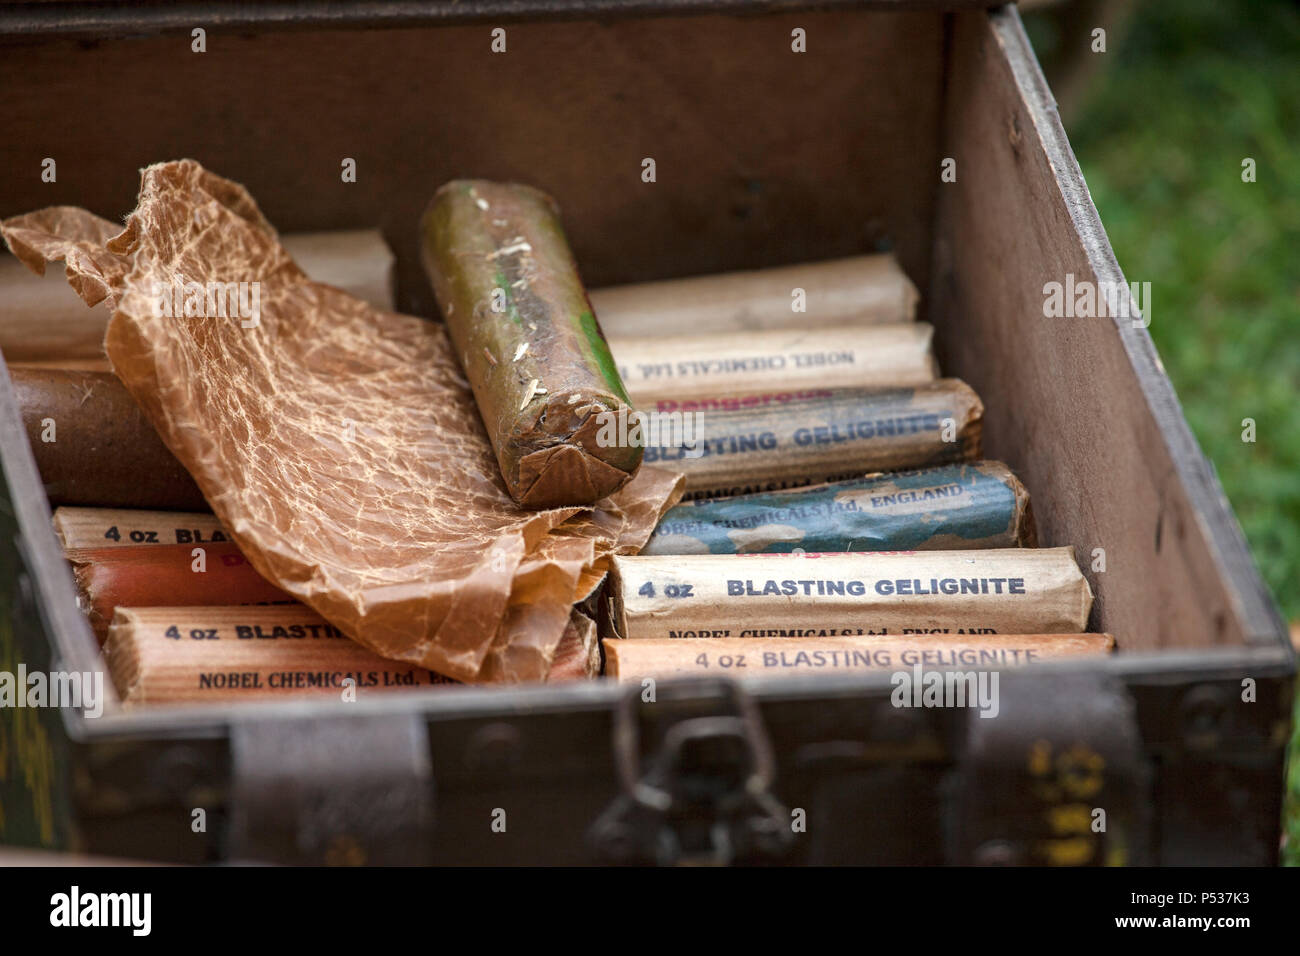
point(764, 156)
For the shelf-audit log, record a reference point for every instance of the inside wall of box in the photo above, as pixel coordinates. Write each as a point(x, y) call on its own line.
point(763, 157)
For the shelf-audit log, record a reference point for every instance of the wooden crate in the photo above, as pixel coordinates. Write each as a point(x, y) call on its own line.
point(764, 157)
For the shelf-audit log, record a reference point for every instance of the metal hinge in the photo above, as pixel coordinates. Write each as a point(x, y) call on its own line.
point(334, 790)
point(1058, 777)
point(701, 794)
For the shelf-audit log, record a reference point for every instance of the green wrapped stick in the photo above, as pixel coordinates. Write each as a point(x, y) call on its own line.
point(546, 386)
point(953, 507)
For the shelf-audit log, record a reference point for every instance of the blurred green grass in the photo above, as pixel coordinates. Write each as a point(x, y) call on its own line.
point(1191, 89)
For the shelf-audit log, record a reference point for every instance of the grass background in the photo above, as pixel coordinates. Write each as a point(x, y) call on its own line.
point(1186, 90)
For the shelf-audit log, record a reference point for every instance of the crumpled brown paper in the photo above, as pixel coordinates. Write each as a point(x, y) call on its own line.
point(338, 444)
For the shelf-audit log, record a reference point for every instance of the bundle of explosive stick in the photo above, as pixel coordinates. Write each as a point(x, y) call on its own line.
point(805, 409)
point(837, 513)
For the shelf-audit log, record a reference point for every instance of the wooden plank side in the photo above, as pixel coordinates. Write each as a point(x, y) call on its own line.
point(763, 156)
point(1080, 407)
point(98, 20)
point(41, 556)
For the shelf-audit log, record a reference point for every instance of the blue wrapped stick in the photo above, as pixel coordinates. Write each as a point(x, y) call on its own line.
point(967, 506)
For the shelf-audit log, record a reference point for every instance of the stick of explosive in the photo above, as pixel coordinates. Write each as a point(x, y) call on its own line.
point(125, 527)
point(764, 657)
point(172, 655)
point(527, 338)
point(167, 575)
point(656, 368)
point(777, 440)
point(1002, 591)
point(93, 445)
point(45, 321)
point(853, 291)
point(976, 506)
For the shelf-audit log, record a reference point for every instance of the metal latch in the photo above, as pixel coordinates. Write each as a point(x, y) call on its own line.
point(332, 790)
point(702, 793)
point(1057, 778)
